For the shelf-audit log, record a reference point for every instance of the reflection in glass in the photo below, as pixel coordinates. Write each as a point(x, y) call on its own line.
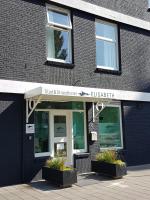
point(60, 149)
point(60, 126)
point(58, 45)
point(109, 127)
point(106, 30)
point(106, 54)
point(41, 139)
point(63, 105)
point(58, 18)
point(78, 130)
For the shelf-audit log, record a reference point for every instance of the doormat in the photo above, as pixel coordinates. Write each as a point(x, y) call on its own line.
point(90, 179)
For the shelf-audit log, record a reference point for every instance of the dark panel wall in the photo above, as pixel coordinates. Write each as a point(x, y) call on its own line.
point(31, 165)
point(23, 50)
point(11, 129)
point(135, 8)
point(136, 120)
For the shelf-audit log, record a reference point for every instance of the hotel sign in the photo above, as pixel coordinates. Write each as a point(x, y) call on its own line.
point(86, 93)
point(94, 94)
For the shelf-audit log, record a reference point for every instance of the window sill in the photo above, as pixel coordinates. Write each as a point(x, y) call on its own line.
point(107, 71)
point(111, 148)
point(59, 64)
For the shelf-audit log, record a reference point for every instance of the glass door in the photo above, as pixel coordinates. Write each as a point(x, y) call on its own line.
point(61, 137)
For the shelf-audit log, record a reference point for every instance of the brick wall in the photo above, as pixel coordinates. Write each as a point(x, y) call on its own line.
point(23, 49)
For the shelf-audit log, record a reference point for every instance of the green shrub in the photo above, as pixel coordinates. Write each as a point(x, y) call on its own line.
point(57, 163)
point(109, 156)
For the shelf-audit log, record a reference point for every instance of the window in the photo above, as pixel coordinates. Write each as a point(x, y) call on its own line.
point(148, 4)
point(110, 127)
point(59, 35)
point(78, 130)
point(56, 121)
point(106, 46)
point(41, 139)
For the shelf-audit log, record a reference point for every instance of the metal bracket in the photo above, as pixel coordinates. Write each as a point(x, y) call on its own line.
point(102, 105)
point(30, 107)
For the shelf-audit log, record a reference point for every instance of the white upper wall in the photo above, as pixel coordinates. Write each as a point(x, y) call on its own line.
point(69, 92)
point(104, 12)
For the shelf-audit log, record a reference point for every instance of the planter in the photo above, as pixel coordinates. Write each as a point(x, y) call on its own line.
point(60, 178)
point(108, 169)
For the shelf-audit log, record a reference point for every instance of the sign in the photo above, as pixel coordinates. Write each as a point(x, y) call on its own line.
point(95, 93)
point(94, 136)
point(60, 146)
point(30, 128)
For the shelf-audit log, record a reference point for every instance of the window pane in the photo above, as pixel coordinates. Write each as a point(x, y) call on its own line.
point(58, 44)
point(58, 18)
point(78, 130)
point(106, 30)
point(60, 149)
point(41, 139)
point(106, 54)
point(60, 126)
point(62, 105)
point(109, 127)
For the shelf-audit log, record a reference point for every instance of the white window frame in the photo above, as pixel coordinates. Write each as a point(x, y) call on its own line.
point(36, 155)
point(148, 4)
point(109, 40)
point(60, 27)
point(118, 105)
point(85, 135)
point(42, 154)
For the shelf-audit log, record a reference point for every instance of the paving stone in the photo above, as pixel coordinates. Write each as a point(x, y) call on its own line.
point(135, 186)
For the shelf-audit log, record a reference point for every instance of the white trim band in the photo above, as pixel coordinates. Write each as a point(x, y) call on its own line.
point(104, 12)
point(63, 92)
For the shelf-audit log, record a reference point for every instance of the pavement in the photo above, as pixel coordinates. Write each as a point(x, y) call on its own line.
point(134, 186)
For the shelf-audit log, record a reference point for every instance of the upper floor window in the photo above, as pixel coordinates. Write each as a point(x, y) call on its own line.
point(106, 45)
point(148, 4)
point(59, 35)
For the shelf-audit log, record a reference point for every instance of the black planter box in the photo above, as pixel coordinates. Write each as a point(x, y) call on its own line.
point(60, 178)
point(108, 169)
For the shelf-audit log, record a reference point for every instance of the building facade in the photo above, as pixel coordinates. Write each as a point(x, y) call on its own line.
point(74, 80)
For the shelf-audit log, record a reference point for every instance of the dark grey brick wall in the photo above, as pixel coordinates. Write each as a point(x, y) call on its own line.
point(135, 8)
point(23, 49)
point(23, 57)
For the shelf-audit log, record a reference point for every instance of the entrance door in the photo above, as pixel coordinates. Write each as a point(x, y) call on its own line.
point(61, 135)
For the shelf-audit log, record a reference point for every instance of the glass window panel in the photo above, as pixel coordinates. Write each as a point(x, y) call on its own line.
point(60, 149)
point(41, 139)
point(60, 126)
point(78, 130)
point(109, 127)
point(58, 18)
point(106, 30)
point(58, 44)
point(62, 105)
point(106, 54)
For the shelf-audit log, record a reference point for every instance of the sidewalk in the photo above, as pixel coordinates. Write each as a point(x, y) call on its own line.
point(136, 185)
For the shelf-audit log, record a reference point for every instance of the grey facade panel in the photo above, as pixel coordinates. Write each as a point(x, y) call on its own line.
point(23, 52)
point(136, 132)
point(135, 8)
point(11, 131)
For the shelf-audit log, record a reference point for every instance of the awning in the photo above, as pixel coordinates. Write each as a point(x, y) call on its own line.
point(63, 93)
point(73, 93)
point(69, 93)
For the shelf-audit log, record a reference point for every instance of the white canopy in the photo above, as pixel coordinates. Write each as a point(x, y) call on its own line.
point(73, 93)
